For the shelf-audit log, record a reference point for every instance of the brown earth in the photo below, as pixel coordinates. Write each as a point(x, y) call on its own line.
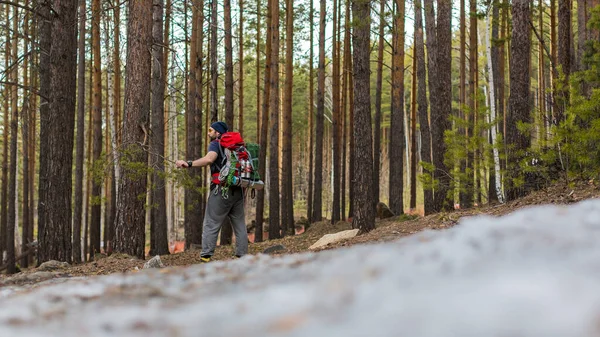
point(387, 230)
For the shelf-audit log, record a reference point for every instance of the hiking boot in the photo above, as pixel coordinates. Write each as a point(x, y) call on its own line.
point(204, 259)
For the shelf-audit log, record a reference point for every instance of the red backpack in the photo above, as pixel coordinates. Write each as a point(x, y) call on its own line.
point(238, 167)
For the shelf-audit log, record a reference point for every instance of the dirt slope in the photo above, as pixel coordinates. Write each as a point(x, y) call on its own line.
point(388, 229)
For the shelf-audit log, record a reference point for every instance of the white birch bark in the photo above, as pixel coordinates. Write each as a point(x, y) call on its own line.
point(493, 113)
point(111, 110)
point(176, 192)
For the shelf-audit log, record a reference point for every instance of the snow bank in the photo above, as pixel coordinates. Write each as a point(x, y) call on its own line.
point(533, 273)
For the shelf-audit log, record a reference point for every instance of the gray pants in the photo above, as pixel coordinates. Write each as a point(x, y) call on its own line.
point(217, 208)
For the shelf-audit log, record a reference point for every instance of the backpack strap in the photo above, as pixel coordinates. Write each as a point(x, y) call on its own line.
point(223, 157)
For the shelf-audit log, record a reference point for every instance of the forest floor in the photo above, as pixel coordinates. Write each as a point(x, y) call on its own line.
point(386, 230)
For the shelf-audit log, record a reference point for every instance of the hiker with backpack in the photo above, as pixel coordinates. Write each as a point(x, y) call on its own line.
point(226, 199)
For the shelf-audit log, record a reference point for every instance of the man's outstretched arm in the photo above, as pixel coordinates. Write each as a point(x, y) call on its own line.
point(210, 157)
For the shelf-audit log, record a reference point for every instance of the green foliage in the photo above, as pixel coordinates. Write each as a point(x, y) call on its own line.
point(427, 177)
point(575, 145)
point(405, 217)
point(578, 136)
point(459, 145)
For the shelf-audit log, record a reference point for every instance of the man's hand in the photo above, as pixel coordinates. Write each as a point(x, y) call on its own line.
point(181, 163)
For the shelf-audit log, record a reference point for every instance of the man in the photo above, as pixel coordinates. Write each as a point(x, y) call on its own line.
point(220, 206)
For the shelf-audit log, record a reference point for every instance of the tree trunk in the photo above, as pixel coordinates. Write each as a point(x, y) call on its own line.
point(287, 193)
point(12, 173)
point(519, 100)
point(262, 157)
point(335, 87)
point(502, 50)
point(274, 219)
point(397, 144)
point(226, 229)
point(192, 198)
point(441, 120)
point(117, 86)
point(4, 211)
point(58, 122)
point(25, 139)
point(471, 167)
point(439, 57)
point(318, 186)
point(352, 151)
point(563, 54)
point(364, 212)
point(80, 139)
point(494, 69)
point(32, 140)
point(497, 190)
point(130, 226)
point(422, 103)
point(345, 98)
point(258, 53)
point(228, 65)
point(553, 52)
point(311, 111)
point(95, 244)
point(111, 143)
point(214, 74)
point(377, 122)
point(159, 208)
point(462, 101)
point(88, 189)
point(543, 121)
point(413, 136)
point(241, 71)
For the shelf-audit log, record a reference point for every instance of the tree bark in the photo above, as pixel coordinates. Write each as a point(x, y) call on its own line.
point(262, 157)
point(78, 212)
point(441, 120)
point(494, 69)
point(274, 219)
point(345, 103)
point(364, 212)
point(241, 71)
point(311, 111)
point(335, 87)
point(318, 186)
point(397, 141)
point(159, 208)
point(413, 135)
point(12, 171)
point(193, 199)
point(462, 101)
point(564, 54)
point(26, 222)
point(439, 64)
point(95, 244)
point(377, 122)
point(543, 122)
point(422, 103)
point(228, 65)
point(495, 176)
point(58, 122)
point(519, 99)
point(111, 143)
point(214, 74)
point(130, 224)
point(4, 211)
point(287, 193)
point(553, 52)
point(226, 229)
point(258, 53)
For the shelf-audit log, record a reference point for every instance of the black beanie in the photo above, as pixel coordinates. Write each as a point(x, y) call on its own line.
point(219, 126)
